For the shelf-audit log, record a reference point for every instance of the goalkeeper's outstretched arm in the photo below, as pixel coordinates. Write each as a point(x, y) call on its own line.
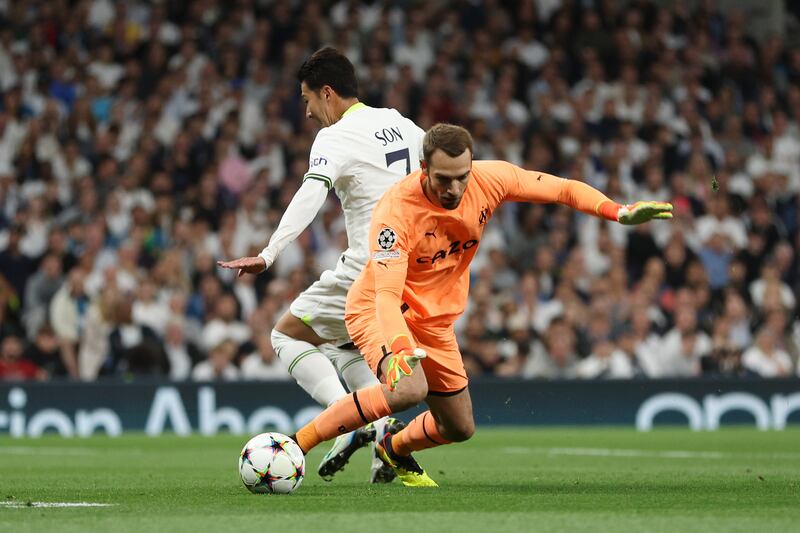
point(531, 186)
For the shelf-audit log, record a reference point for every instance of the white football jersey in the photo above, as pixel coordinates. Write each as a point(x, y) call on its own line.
point(363, 154)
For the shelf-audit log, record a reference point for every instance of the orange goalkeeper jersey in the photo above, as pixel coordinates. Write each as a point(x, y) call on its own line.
point(420, 253)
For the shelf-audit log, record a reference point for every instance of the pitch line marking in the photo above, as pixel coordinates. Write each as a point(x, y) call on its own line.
point(36, 450)
point(62, 452)
point(20, 504)
point(610, 452)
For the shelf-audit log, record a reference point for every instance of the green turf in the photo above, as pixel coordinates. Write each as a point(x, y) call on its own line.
point(502, 480)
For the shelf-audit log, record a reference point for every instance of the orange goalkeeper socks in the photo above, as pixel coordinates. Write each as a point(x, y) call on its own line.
point(420, 434)
point(348, 413)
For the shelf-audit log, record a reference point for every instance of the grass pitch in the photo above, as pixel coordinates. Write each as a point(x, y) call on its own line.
point(502, 480)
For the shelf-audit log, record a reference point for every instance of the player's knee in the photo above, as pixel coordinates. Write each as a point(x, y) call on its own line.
point(460, 430)
point(408, 394)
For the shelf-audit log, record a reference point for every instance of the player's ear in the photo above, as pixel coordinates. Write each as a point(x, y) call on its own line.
point(423, 165)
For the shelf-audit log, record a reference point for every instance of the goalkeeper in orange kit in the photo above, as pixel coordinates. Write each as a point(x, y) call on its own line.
point(401, 310)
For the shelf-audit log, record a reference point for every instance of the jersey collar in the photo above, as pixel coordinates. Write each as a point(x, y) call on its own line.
point(353, 108)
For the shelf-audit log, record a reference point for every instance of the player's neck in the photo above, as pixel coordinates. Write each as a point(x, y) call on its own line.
point(342, 106)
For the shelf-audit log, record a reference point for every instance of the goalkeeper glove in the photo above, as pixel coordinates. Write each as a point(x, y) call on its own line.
point(402, 364)
point(642, 212)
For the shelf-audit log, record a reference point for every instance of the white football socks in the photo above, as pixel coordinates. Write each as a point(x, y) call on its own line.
point(354, 369)
point(309, 367)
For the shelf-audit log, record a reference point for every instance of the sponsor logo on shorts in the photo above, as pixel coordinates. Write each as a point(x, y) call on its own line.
point(387, 238)
point(388, 254)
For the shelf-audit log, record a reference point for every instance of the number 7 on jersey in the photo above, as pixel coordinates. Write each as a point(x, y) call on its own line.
point(399, 155)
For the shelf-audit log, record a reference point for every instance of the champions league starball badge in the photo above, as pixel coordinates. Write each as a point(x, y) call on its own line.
point(387, 238)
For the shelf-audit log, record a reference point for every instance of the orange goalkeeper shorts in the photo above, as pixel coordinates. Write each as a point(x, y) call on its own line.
point(444, 368)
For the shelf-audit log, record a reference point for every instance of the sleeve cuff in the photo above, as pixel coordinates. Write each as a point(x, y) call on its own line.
point(319, 177)
point(400, 343)
point(266, 255)
point(607, 209)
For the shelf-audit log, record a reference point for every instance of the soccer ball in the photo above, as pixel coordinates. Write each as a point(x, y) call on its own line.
point(271, 463)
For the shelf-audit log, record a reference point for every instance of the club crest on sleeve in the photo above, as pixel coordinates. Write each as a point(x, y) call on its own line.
point(387, 238)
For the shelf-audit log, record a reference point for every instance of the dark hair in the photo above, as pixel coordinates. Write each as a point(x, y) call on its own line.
point(448, 138)
point(328, 66)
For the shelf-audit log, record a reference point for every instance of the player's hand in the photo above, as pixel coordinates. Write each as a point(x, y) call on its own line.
point(402, 364)
point(642, 212)
point(246, 265)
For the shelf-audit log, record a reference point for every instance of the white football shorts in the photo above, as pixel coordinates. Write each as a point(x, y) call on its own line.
point(321, 306)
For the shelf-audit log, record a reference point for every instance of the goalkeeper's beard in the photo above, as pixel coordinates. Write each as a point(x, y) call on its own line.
point(450, 202)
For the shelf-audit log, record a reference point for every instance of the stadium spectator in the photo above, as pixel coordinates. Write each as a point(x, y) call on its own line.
point(67, 316)
point(777, 321)
point(39, 291)
point(44, 352)
point(15, 266)
point(263, 363)
point(133, 349)
point(724, 360)
point(716, 256)
point(219, 365)
point(604, 361)
point(769, 290)
point(98, 324)
point(182, 354)
point(683, 346)
point(556, 356)
point(138, 146)
point(720, 221)
point(13, 365)
point(738, 319)
point(517, 347)
point(765, 358)
point(224, 325)
point(147, 309)
point(626, 342)
point(9, 325)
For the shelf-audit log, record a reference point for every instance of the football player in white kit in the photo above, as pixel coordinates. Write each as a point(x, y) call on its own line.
point(360, 152)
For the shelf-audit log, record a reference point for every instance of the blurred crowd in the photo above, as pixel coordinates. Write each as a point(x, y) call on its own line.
point(140, 141)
